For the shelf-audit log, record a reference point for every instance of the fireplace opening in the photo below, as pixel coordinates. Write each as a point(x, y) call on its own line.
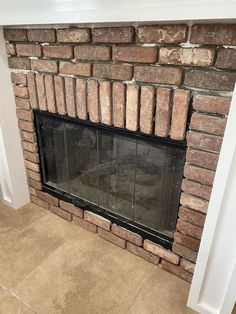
point(131, 178)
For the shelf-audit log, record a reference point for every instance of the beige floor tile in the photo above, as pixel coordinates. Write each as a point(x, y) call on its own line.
point(163, 293)
point(85, 278)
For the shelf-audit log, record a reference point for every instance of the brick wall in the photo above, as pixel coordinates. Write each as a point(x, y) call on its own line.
point(144, 79)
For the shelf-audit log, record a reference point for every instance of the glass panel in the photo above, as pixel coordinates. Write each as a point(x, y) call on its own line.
point(116, 169)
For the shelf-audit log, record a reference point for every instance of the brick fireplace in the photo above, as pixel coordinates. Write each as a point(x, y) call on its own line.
point(167, 81)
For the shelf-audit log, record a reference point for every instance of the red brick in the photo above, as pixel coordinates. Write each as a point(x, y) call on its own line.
point(31, 156)
point(76, 211)
point(203, 159)
point(201, 57)
point(97, 220)
point(158, 74)
point(196, 189)
point(70, 96)
point(60, 94)
point(176, 270)
point(26, 126)
point(211, 104)
point(28, 136)
point(132, 107)
point(118, 106)
point(189, 229)
point(201, 175)
point(32, 90)
point(194, 202)
point(19, 63)
point(17, 34)
point(60, 212)
point(81, 95)
point(113, 71)
point(85, 224)
point(19, 78)
point(50, 93)
point(179, 114)
point(163, 112)
point(105, 102)
point(209, 124)
point(215, 80)
point(139, 251)
point(146, 109)
point(93, 53)
point(160, 251)
point(48, 198)
point(32, 166)
point(113, 34)
point(127, 235)
point(187, 265)
point(39, 202)
point(92, 100)
point(135, 54)
point(58, 51)
point(42, 35)
point(82, 69)
point(74, 35)
point(50, 66)
point(204, 141)
point(29, 50)
point(226, 59)
point(39, 78)
point(24, 114)
point(35, 184)
point(22, 103)
point(168, 34)
point(112, 238)
point(21, 91)
point(30, 147)
point(187, 241)
point(34, 175)
point(11, 49)
point(184, 252)
point(213, 34)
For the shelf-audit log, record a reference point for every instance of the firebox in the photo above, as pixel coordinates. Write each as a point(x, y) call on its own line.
point(131, 178)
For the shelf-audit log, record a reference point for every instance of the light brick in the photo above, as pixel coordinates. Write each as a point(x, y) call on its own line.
point(24, 114)
point(143, 254)
point(194, 202)
point(92, 100)
point(187, 241)
point(58, 51)
point(48, 198)
point(11, 49)
point(161, 252)
point(163, 112)
point(226, 59)
point(113, 34)
point(32, 90)
point(74, 35)
point(211, 104)
point(93, 53)
point(70, 96)
point(42, 102)
point(34, 175)
point(176, 270)
point(118, 106)
point(50, 66)
point(81, 69)
point(209, 124)
point(74, 210)
point(42, 35)
point(196, 189)
point(31, 156)
point(28, 136)
point(50, 94)
point(202, 159)
point(60, 212)
point(39, 202)
point(113, 71)
point(127, 235)
point(19, 78)
point(26, 126)
point(85, 224)
point(204, 141)
point(184, 252)
point(111, 238)
point(135, 54)
point(17, 34)
point(189, 229)
point(22, 103)
point(97, 220)
point(30, 147)
point(146, 109)
point(201, 175)
point(132, 107)
point(19, 63)
point(21, 91)
point(105, 102)
point(81, 99)
point(35, 184)
point(29, 50)
point(187, 265)
point(60, 94)
point(32, 166)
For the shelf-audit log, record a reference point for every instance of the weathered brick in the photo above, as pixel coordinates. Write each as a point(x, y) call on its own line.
point(11, 49)
point(50, 93)
point(32, 166)
point(48, 198)
point(189, 229)
point(202, 159)
point(158, 74)
point(21, 91)
point(113, 34)
point(97, 220)
point(112, 238)
point(23, 114)
point(113, 71)
point(74, 210)
point(74, 35)
point(160, 251)
point(163, 112)
point(168, 34)
point(146, 109)
point(26, 126)
point(209, 124)
point(19, 78)
point(184, 252)
point(213, 34)
point(84, 224)
point(35, 184)
point(187, 265)
point(226, 59)
point(34, 175)
point(19, 63)
point(40, 84)
point(179, 114)
point(17, 34)
point(92, 100)
point(42, 65)
point(70, 96)
point(187, 241)
point(32, 190)
point(60, 212)
point(93, 53)
point(201, 57)
point(29, 50)
point(105, 102)
point(176, 270)
point(22, 103)
point(82, 69)
point(201, 175)
point(31, 156)
point(81, 99)
point(215, 80)
point(118, 104)
point(30, 147)
point(42, 35)
point(39, 202)
point(132, 107)
point(137, 250)
point(135, 54)
point(32, 90)
point(194, 202)
point(28, 136)
point(211, 104)
point(60, 94)
point(204, 141)
point(196, 189)
point(127, 235)
point(58, 51)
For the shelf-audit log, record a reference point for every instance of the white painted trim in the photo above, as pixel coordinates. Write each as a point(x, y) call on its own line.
point(13, 181)
point(214, 281)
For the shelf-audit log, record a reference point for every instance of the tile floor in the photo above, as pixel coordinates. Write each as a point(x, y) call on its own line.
point(51, 266)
